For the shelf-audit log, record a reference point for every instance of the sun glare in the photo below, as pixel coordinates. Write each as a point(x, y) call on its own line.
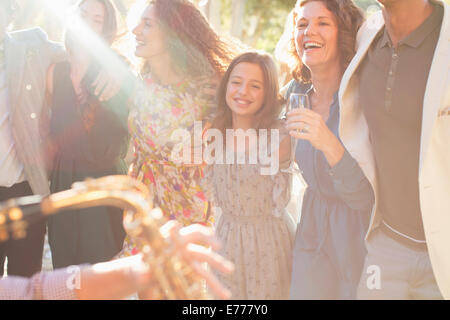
point(66, 13)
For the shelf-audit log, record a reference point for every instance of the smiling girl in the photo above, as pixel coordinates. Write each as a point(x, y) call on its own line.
point(254, 227)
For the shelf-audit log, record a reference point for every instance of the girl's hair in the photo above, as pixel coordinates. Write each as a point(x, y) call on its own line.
point(110, 29)
point(194, 47)
point(349, 19)
point(268, 114)
point(109, 32)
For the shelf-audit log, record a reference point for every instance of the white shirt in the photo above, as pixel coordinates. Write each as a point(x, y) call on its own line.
point(11, 168)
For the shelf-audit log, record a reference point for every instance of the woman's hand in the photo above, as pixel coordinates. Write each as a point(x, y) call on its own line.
point(106, 86)
point(308, 125)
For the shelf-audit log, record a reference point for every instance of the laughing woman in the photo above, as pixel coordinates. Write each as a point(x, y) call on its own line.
point(183, 59)
point(329, 246)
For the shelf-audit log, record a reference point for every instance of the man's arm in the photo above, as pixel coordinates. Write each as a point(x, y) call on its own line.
point(120, 278)
point(44, 285)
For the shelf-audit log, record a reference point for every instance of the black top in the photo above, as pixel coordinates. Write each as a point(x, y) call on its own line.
point(91, 142)
point(92, 133)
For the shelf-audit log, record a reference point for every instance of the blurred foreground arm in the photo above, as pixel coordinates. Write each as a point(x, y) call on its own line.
point(120, 278)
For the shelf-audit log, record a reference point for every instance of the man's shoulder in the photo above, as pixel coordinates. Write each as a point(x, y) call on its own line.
point(36, 39)
point(371, 26)
point(33, 36)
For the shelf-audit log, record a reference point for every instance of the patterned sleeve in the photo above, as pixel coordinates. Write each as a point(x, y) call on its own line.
point(57, 285)
point(139, 95)
point(207, 89)
point(207, 183)
point(208, 186)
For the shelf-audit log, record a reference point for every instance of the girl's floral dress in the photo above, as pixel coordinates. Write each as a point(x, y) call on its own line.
point(158, 115)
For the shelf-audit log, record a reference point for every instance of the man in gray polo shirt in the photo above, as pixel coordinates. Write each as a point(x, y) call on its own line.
point(395, 133)
point(393, 78)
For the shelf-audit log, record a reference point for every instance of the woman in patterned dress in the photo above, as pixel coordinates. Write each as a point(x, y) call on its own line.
point(183, 59)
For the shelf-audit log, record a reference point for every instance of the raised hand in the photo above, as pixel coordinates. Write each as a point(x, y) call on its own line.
point(306, 124)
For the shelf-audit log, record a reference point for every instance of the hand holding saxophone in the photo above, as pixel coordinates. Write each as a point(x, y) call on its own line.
point(120, 278)
point(169, 265)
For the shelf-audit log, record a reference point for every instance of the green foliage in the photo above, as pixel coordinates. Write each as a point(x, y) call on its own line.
point(264, 20)
point(364, 4)
point(268, 18)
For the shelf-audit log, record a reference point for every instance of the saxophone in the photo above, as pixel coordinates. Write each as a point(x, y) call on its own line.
point(174, 278)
